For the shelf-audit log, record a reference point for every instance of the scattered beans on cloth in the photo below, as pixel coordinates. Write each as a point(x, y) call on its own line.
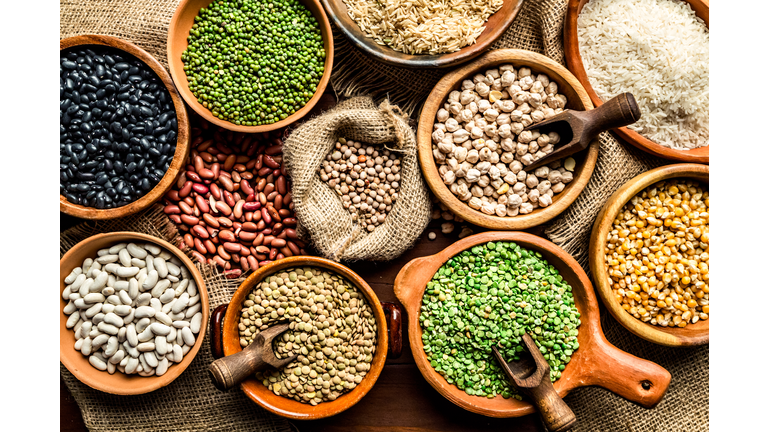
point(366, 178)
point(332, 330)
point(254, 62)
point(492, 294)
point(233, 202)
point(117, 127)
point(481, 149)
point(657, 255)
point(134, 308)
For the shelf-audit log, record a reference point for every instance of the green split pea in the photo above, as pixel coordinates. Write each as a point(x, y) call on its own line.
point(489, 295)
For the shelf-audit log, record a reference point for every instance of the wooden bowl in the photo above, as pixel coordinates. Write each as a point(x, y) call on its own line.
point(577, 100)
point(178, 32)
point(596, 362)
point(692, 334)
point(182, 136)
point(496, 25)
point(119, 383)
point(575, 65)
point(291, 408)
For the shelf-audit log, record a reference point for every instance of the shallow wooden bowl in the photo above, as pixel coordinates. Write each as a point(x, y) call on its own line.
point(496, 25)
point(577, 100)
point(182, 136)
point(693, 334)
point(575, 65)
point(284, 406)
point(178, 32)
point(77, 363)
point(596, 362)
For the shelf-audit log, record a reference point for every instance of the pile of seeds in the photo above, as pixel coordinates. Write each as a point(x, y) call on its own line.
point(657, 254)
point(332, 330)
point(491, 295)
point(134, 308)
point(481, 149)
point(254, 62)
point(117, 127)
point(366, 179)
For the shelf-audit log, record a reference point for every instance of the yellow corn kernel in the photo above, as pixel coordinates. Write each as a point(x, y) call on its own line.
point(705, 309)
point(692, 303)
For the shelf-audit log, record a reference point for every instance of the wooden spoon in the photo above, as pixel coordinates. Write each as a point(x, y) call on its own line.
point(578, 128)
point(530, 375)
point(229, 371)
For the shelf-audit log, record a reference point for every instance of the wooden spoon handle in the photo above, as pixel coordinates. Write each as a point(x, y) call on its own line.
point(620, 111)
point(555, 413)
point(228, 371)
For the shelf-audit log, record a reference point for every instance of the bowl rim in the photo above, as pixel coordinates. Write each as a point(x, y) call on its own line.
point(182, 136)
point(670, 336)
point(576, 66)
point(291, 408)
point(429, 167)
point(179, 77)
point(78, 364)
point(389, 56)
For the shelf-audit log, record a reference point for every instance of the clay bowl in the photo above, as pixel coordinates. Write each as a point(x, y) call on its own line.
point(596, 362)
point(178, 32)
point(78, 364)
point(496, 25)
point(575, 65)
point(693, 334)
point(283, 406)
point(182, 138)
point(577, 100)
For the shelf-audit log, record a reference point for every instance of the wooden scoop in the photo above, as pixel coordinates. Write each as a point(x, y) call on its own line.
point(229, 371)
point(578, 128)
point(530, 375)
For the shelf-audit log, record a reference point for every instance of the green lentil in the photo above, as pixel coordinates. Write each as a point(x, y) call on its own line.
point(489, 295)
point(254, 62)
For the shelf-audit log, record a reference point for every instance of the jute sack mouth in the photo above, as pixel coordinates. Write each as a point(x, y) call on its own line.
point(323, 221)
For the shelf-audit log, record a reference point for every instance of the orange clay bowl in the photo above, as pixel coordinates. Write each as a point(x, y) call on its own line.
point(567, 85)
point(284, 406)
point(119, 383)
point(575, 65)
point(182, 136)
point(496, 25)
point(178, 32)
point(596, 362)
point(693, 334)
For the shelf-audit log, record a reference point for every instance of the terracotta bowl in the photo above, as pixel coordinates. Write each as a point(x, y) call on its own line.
point(693, 334)
point(575, 65)
point(182, 136)
point(77, 363)
point(496, 25)
point(178, 32)
point(291, 408)
point(596, 362)
point(577, 100)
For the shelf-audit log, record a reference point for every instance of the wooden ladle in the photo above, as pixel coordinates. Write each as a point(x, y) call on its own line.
point(578, 128)
point(229, 371)
point(530, 375)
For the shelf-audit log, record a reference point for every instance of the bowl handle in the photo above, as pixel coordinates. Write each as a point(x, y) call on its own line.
point(409, 281)
point(394, 314)
point(217, 343)
point(637, 380)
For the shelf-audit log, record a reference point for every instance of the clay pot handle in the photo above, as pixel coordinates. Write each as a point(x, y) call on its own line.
point(409, 280)
point(217, 344)
point(394, 315)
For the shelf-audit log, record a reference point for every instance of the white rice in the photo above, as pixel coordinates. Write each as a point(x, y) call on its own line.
point(423, 26)
point(658, 50)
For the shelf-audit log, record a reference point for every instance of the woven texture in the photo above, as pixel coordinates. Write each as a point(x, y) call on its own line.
point(324, 222)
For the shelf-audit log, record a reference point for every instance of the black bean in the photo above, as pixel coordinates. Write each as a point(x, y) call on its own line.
point(67, 64)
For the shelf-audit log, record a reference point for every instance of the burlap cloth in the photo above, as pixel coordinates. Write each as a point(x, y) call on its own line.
point(192, 403)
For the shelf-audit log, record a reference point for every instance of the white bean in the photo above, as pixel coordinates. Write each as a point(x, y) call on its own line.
point(189, 338)
point(131, 336)
point(97, 362)
point(126, 272)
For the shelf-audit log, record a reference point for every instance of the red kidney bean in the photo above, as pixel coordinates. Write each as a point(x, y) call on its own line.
point(223, 253)
point(172, 196)
point(216, 170)
point(247, 175)
point(237, 211)
point(186, 208)
point(226, 182)
point(229, 162)
point(213, 232)
point(262, 198)
point(265, 216)
point(273, 254)
point(244, 264)
point(189, 220)
point(229, 199)
point(237, 225)
point(250, 164)
point(270, 162)
point(259, 163)
point(171, 209)
point(272, 195)
point(200, 188)
point(210, 220)
point(232, 247)
point(175, 218)
point(199, 245)
point(286, 251)
point(249, 226)
point(210, 246)
point(280, 235)
point(247, 236)
point(265, 171)
point(224, 221)
point(215, 191)
point(199, 231)
point(199, 163)
point(251, 206)
point(273, 150)
point(282, 185)
point(300, 243)
point(186, 189)
point(291, 233)
point(227, 235)
point(220, 261)
point(273, 213)
point(206, 144)
point(191, 175)
point(207, 157)
point(253, 263)
point(284, 212)
point(244, 251)
point(268, 189)
point(287, 198)
point(206, 173)
point(261, 184)
point(246, 187)
point(292, 246)
point(262, 249)
point(198, 256)
point(259, 240)
point(277, 243)
point(223, 208)
point(289, 221)
point(202, 204)
point(266, 231)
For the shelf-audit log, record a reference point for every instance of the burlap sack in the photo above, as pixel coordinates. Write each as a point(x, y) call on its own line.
point(327, 225)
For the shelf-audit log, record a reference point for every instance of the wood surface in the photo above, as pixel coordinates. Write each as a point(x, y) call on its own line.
point(596, 362)
point(496, 25)
point(692, 334)
point(576, 65)
point(178, 32)
point(77, 363)
point(182, 135)
point(567, 85)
